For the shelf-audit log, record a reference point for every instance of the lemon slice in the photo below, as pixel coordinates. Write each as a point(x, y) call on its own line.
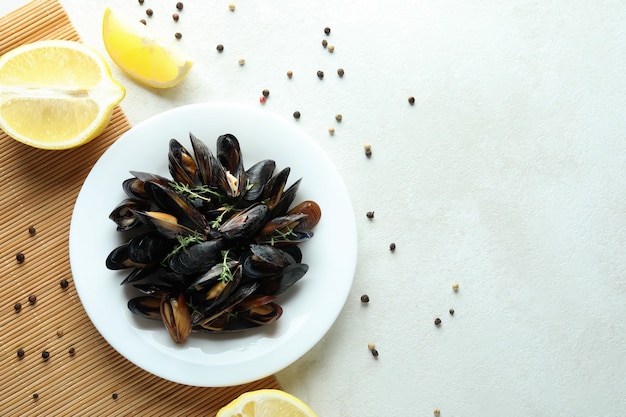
point(56, 94)
point(266, 403)
point(139, 54)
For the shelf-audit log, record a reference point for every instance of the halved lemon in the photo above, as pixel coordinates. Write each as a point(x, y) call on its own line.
point(56, 94)
point(150, 61)
point(266, 403)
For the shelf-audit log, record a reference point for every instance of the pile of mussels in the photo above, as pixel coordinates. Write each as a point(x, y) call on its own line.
point(211, 248)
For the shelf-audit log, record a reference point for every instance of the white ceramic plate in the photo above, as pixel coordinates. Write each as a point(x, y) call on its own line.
point(310, 307)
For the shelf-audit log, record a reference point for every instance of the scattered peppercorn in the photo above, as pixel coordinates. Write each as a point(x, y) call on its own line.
point(331, 48)
point(20, 353)
point(262, 100)
point(17, 306)
point(32, 298)
point(411, 100)
point(179, 5)
point(242, 62)
point(32, 231)
point(455, 286)
point(324, 43)
point(392, 246)
point(437, 321)
point(231, 7)
point(296, 114)
point(64, 283)
point(339, 118)
point(140, 1)
point(375, 353)
point(289, 74)
point(220, 47)
point(452, 312)
point(178, 35)
point(45, 355)
point(370, 214)
point(367, 147)
point(331, 131)
point(437, 412)
point(266, 93)
point(368, 153)
point(175, 16)
point(327, 30)
point(60, 332)
point(371, 346)
point(20, 257)
point(143, 21)
point(72, 351)
point(320, 74)
point(114, 396)
point(35, 396)
point(149, 12)
point(340, 72)
point(365, 298)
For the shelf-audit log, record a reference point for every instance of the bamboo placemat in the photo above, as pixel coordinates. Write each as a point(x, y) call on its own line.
point(38, 189)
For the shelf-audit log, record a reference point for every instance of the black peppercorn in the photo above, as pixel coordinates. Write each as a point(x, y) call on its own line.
point(20, 257)
point(220, 47)
point(17, 306)
point(365, 298)
point(143, 21)
point(411, 100)
point(45, 355)
point(140, 1)
point(149, 12)
point(35, 396)
point(368, 153)
point(437, 321)
point(64, 283)
point(175, 16)
point(370, 214)
point(452, 312)
point(392, 246)
point(32, 298)
point(375, 353)
point(296, 114)
point(265, 93)
point(178, 35)
point(179, 5)
point(114, 396)
point(340, 72)
point(72, 351)
point(20, 353)
point(289, 74)
point(327, 30)
point(320, 74)
point(32, 231)
point(324, 43)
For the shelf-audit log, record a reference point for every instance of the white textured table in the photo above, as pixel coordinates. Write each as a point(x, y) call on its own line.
point(507, 176)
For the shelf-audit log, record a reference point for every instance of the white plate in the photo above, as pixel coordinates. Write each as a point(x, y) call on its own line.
point(310, 307)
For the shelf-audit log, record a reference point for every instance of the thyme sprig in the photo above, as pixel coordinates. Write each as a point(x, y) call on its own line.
point(280, 236)
point(201, 192)
point(226, 274)
point(183, 243)
point(226, 208)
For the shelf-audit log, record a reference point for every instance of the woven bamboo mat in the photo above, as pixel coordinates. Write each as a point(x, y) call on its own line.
point(38, 189)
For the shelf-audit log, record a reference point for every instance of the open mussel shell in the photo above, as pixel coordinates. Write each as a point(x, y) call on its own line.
point(229, 156)
point(246, 223)
point(209, 168)
point(146, 306)
point(168, 200)
point(176, 317)
point(258, 175)
point(182, 165)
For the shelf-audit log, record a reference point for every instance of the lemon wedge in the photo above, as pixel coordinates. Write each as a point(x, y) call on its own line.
point(266, 403)
point(146, 59)
point(56, 94)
